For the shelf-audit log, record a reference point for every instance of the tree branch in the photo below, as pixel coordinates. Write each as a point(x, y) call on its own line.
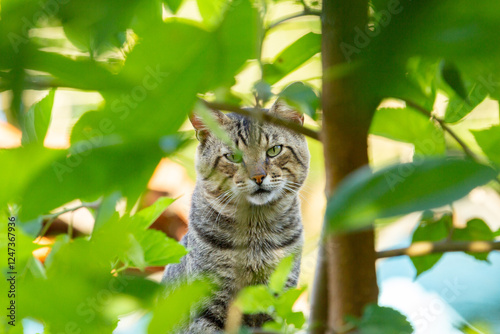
point(261, 115)
point(422, 248)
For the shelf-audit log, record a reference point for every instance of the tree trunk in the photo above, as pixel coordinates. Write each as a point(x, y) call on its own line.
point(345, 279)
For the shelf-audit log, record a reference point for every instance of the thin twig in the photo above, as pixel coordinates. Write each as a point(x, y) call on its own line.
point(53, 216)
point(306, 12)
point(422, 248)
point(262, 115)
point(445, 127)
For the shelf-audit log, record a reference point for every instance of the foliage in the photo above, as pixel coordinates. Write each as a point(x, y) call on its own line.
point(151, 70)
point(274, 299)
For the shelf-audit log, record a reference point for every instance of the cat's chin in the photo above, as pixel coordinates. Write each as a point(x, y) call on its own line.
point(261, 198)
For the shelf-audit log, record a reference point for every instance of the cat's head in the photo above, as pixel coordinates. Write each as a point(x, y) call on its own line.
point(272, 162)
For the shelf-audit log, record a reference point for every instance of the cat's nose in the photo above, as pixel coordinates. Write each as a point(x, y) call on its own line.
point(258, 178)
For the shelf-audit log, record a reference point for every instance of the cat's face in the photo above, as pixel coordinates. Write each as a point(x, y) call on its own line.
point(271, 164)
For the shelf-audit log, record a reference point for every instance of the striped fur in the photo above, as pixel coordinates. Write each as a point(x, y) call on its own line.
point(237, 236)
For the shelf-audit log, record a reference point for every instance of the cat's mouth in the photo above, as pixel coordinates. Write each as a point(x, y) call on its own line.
point(261, 191)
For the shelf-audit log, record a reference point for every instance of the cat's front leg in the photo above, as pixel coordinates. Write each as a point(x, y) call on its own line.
point(212, 317)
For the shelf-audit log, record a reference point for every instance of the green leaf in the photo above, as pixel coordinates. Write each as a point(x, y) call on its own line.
point(160, 250)
point(430, 229)
point(134, 253)
point(174, 309)
point(292, 57)
point(37, 120)
point(263, 90)
point(296, 319)
point(410, 126)
point(423, 71)
point(383, 320)
point(302, 97)
point(254, 299)
point(476, 230)
point(148, 216)
point(173, 5)
point(13, 179)
point(105, 23)
point(284, 303)
point(402, 188)
point(238, 39)
point(278, 279)
point(88, 172)
point(212, 11)
point(451, 75)
point(489, 141)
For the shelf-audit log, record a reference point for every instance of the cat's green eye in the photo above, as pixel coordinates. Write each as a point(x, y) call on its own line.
point(233, 157)
point(274, 151)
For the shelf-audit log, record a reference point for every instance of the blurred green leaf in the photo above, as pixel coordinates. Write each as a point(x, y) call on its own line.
point(458, 106)
point(173, 5)
point(451, 75)
point(87, 172)
point(96, 26)
point(37, 120)
point(489, 141)
point(423, 71)
point(302, 97)
point(13, 179)
point(212, 11)
point(475, 230)
point(279, 277)
point(174, 309)
point(383, 320)
point(410, 126)
point(263, 90)
point(254, 299)
point(238, 39)
point(284, 303)
point(430, 229)
point(292, 57)
point(403, 188)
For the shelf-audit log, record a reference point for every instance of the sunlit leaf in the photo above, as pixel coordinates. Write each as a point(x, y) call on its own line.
point(174, 309)
point(407, 125)
point(302, 97)
point(37, 120)
point(489, 141)
point(292, 57)
point(430, 229)
point(475, 230)
point(402, 188)
point(278, 279)
point(254, 299)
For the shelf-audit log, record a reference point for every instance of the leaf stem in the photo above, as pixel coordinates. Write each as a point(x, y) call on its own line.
point(445, 127)
point(262, 115)
point(307, 12)
point(422, 248)
point(53, 216)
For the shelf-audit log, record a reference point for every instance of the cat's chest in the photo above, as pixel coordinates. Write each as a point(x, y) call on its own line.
point(255, 257)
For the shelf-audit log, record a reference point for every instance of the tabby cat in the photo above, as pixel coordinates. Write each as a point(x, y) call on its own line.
point(245, 212)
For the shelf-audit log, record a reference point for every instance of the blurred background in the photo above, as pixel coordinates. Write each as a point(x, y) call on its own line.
point(459, 295)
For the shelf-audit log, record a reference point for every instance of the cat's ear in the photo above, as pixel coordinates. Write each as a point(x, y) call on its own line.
point(283, 110)
point(202, 130)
